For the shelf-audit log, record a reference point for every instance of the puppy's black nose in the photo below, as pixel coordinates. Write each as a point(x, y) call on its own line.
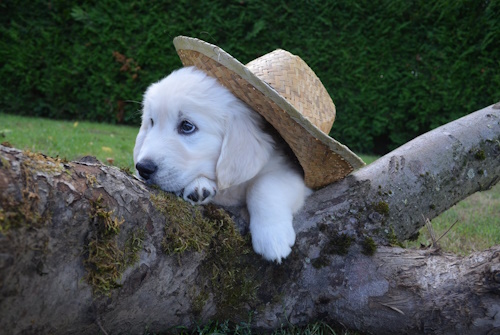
point(146, 168)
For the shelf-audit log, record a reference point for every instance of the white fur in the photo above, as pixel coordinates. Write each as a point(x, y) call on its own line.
point(227, 160)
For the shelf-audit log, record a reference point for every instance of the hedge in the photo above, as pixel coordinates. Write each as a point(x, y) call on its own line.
point(394, 68)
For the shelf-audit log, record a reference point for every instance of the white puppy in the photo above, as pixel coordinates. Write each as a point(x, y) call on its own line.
point(201, 142)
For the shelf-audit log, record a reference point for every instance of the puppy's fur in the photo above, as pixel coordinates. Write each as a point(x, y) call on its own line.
point(201, 142)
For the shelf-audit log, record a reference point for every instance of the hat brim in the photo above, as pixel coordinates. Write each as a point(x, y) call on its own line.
point(323, 159)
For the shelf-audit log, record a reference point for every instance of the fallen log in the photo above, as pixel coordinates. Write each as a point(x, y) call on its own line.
point(86, 247)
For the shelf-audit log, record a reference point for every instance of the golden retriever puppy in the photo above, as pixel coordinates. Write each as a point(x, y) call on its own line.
point(200, 142)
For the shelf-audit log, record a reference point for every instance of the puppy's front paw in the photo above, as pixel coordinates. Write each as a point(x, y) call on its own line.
point(274, 241)
point(200, 191)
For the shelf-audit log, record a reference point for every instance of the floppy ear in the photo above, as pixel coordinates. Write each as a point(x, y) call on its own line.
point(245, 150)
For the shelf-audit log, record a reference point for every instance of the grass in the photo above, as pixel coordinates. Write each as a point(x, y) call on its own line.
point(478, 216)
point(477, 224)
point(111, 144)
point(318, 328)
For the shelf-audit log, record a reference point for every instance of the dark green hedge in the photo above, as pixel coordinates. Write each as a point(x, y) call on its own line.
point(395, 68)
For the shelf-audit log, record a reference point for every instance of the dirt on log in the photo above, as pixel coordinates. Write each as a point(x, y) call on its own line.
point(87, 248)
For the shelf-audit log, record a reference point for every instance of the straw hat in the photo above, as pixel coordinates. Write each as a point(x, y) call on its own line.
point(286, 92)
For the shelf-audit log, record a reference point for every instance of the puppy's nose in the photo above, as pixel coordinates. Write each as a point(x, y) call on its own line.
point(146, 168)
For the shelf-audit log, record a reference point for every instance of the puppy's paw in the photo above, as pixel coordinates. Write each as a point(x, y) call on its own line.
point(274, 241)
point(200, 191)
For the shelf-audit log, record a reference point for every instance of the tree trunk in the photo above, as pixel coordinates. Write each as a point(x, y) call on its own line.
point(86, 248)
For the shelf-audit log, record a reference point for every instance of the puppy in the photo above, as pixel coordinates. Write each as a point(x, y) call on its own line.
point(200, 142)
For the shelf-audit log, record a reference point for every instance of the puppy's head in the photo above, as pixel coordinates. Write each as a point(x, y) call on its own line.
point(193, 127)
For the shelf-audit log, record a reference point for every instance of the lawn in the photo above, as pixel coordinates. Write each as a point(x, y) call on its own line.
point(111, 144)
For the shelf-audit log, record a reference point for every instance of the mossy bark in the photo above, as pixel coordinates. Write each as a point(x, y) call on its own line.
point(343, 268)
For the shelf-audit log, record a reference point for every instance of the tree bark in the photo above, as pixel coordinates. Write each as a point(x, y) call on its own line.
point(86, 248)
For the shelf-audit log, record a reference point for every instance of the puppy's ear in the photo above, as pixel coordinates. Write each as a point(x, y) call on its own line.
point(245, 150)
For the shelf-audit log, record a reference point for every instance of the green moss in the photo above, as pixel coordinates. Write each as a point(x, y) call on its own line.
point(91, 180)
point(11, 215)
point(339, 244)
point(4, 163)
point(211, 230)
point(382, 207)
point(106, 256)
point(336, 244)
point(133, 246)
point(186, 228)
point(480, 155)
point(199, 301)
point(232, 266)
point(39, 162)
point(393, 239)
point(4, 225)
point(320, 262)
point(103, 265)
point(15, 214)
point(368, 246)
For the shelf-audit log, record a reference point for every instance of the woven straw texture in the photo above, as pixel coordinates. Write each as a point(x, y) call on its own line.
point(297, 83)
point(320, 163)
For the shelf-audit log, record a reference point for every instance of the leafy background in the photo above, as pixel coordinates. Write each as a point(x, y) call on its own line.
point(394, 68)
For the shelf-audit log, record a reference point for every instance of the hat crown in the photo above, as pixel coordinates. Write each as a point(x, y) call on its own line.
point(293, 79)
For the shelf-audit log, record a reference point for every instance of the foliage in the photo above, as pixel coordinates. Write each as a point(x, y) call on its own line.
point(395, 69)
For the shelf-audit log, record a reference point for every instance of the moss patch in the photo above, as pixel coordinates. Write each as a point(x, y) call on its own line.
point(320, 262)
point(91, 180)
point(368, 246)
point(12, 215)
point(480, 155)
point(393, 239)
point(39, 162)
point(4, 163)
point(228, 263)
point(339, 244)
point(15, 213)
point(186, 228)
point(107, 257)
point(381, 207)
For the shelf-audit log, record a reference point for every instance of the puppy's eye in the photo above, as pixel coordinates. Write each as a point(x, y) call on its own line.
point(186, 127)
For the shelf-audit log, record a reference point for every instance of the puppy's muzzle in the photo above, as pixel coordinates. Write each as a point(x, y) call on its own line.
point(146, 168)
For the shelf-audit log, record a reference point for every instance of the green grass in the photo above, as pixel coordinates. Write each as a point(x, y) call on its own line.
point(477, 224)
point(111, 144)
